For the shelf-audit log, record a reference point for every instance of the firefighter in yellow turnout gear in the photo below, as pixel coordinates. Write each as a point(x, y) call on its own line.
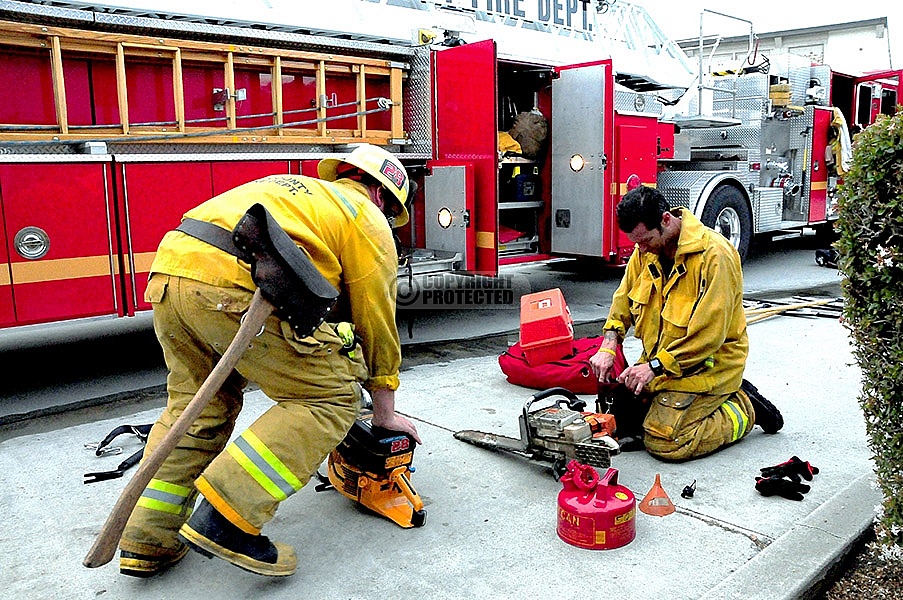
point(682, 293)
point(199, 293)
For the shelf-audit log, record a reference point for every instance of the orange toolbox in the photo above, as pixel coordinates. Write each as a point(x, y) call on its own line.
point(546, 328)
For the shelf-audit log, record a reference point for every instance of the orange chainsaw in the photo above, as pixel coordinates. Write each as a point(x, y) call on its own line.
point(372, 466)
point(558, 433)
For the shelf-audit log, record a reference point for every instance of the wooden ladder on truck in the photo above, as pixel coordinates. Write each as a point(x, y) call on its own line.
point(179, 91)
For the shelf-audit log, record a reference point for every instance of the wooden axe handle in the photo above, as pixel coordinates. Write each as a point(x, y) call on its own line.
point(105, 545)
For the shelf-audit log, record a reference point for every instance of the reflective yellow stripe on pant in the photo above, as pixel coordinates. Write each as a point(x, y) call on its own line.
point(274, 458)
point(681, 425)
point(264, 466)
point(166, 497)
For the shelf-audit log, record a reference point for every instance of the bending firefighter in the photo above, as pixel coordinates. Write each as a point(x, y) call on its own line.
point(199, 293)
point(682, 292)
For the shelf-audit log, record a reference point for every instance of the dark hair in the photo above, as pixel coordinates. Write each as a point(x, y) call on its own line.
point(348, 171)
point(644, 205)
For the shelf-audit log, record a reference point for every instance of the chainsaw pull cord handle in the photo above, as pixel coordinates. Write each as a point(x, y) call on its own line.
point(572, 401)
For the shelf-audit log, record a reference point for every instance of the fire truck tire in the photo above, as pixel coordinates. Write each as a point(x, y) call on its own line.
point(727, 213)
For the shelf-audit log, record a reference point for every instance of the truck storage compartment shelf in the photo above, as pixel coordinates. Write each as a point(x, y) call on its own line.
point(519, 246)
point(421, 261)
point(512, 205)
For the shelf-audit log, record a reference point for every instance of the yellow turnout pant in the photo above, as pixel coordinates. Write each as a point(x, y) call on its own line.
point(316, 392)
point(681, 425)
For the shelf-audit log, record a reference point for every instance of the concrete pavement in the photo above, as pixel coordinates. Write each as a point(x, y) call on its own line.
point(491, 524)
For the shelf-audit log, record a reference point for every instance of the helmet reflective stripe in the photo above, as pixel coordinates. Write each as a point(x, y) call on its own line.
point(264, 466)
point(379, 164)
point(738, 418)
point(165, 497)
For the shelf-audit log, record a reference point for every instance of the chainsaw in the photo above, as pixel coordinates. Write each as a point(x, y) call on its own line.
point(558, 433)
point(372, 467)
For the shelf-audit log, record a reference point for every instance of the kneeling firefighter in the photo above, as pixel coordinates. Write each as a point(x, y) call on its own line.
point(199, 292)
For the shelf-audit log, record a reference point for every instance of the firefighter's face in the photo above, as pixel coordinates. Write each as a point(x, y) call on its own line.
point(647, 240)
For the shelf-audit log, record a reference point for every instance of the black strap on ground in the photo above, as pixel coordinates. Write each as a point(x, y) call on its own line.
point(141, 431)
point(124, 466)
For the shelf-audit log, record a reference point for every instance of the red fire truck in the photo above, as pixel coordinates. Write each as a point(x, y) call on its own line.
point(117, 119)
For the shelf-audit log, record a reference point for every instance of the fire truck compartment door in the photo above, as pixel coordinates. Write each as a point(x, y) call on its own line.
point(578, 133)
point(876, 93)
point(60, 242)
point(449, 201)
point(465, 99)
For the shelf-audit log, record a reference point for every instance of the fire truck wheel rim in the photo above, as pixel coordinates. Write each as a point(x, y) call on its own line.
point(728, 225)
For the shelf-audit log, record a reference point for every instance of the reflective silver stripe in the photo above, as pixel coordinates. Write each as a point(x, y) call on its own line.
point(265, 468)
point(164, 497)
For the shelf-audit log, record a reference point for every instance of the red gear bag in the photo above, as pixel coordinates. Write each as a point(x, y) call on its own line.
point(573, 372)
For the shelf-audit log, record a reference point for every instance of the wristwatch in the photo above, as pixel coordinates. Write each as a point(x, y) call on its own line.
point(657, 367)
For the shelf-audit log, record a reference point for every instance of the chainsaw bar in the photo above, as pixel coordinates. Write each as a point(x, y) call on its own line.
point(491, 441)
point(596, 454)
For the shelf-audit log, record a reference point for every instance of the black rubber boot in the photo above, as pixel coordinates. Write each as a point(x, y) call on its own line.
point(212, 534)
point(768, 417)
point(141, 565)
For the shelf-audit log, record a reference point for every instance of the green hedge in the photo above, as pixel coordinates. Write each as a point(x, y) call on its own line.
point(870, 244)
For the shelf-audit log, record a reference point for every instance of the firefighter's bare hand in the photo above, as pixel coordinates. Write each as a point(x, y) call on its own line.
point(397, 423)
point(636, 378)
point(601, 363)
point(384, 414)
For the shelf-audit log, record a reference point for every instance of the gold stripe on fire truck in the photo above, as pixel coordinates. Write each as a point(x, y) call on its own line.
point(623, 187)
point(143, 261)
point(60, 269)
point(819, 185)
point(4, 277)
point(485, 239)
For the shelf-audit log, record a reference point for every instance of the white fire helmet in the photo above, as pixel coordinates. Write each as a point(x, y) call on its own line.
point(380, 164)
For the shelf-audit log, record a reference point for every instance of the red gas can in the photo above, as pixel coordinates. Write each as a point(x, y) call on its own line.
point(595, 513)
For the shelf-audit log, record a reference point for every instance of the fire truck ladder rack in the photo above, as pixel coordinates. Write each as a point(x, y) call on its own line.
point(136, 55)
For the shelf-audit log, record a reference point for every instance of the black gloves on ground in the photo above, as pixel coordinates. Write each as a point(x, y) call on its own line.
point(784, 479)
point(793, 468)
point(779, 486)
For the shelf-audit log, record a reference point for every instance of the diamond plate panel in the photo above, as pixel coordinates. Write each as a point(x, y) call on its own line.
point(682, 188)
point(767, 204)
point(235, 33)
point(822, 74)
point(723, 137)
point(418, 117)
point(26, 11)
point(630, 101)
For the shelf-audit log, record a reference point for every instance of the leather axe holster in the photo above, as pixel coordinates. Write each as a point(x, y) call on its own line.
point(283, 272)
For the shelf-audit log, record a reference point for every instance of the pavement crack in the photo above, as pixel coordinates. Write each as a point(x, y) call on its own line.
point(833, 534)
point(760, 540)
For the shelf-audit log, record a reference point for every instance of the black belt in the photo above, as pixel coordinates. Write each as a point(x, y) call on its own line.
point(213, 234)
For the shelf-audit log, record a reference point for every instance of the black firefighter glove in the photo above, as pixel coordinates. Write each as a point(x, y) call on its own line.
point(779, 486)
point(793, 468)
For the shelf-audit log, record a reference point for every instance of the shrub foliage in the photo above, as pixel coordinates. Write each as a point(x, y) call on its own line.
point(870, 244)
